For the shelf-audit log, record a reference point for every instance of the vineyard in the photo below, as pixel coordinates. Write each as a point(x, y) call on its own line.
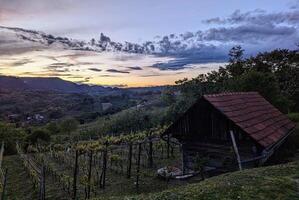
point(109, 166)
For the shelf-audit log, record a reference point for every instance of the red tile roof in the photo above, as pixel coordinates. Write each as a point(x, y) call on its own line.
point(254, 115)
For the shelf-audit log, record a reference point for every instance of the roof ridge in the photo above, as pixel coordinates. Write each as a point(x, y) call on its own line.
point(229, 93)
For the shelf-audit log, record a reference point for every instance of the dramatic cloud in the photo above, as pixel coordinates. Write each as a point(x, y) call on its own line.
point(135, 68)
point(163, 59)
point(60, 64)
point(248, 33)
point(255, 31)
point(20, 62)
point(258, 17)
point(117, 71)
point(95, 69)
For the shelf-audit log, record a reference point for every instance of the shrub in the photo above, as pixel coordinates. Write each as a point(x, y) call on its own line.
point(294, 117)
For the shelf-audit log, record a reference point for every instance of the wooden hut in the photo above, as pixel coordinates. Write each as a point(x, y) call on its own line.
point(230, 131)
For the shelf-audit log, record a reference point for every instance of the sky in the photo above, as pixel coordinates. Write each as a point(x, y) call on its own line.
point(193, 36)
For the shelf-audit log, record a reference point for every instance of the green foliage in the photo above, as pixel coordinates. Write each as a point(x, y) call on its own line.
point(274, 75)
point(264, 83)
point(168, 97)
point(68, 125)
point(38, 135)
point(53, 128)
point(294, 117)
point(236, 67)
point(10, 134)
point(127, 121)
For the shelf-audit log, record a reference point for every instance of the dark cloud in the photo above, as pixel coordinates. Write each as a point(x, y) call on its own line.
point(95, 69)
point(61, 64)
point(60, 70)
point(259, 17)
point(248, 33)
point(201, 54)
point(108, 75)
point(255, 31)
point(135, 68)
point(149, 75)
point(117, 71)
point(46, 74)
point(21, 62)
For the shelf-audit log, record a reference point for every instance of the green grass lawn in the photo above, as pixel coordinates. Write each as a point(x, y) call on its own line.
point(274, 182)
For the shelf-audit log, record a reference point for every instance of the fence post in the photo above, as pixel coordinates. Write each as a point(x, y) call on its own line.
point(129, 161)
point(168, 145)
point(150, 156)
point(44, 182)
point(104, 165)
point(138, 166)
point(4, 185)
point(89, 174)
point(75, 176)
point(1, 153)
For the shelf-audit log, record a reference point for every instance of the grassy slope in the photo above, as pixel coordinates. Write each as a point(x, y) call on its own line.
point(18, 183)
point(19, 186)
point(274, 182)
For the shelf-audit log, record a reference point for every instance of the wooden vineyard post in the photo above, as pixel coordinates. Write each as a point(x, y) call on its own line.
point(89, 174)
point(4, 185)
point(42, 184)
point(75, 176)
point(104, 168)
point(150, 156)
point(138, 166)
point(44, 181)
point(1, 153)
point(129, 161)
point(236, 149)
point(168, 145)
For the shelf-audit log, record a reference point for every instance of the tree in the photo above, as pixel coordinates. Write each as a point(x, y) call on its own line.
point(9, 134)
point(92, 42)
point(69, 125)
point(38, 135)
point(235, 66)
point(168, 97)
point(53, 128)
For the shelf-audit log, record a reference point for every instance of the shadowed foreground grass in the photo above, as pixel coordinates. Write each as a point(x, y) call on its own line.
point(274, 182)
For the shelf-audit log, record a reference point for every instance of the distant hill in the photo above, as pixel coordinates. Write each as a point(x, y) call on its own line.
point(59, 85)
point(50, 84)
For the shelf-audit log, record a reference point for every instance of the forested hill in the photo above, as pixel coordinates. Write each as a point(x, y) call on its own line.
point(275, 75)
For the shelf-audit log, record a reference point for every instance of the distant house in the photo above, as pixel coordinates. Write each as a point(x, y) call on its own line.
point(230, 130)
point(13, 118)
point(36, 118)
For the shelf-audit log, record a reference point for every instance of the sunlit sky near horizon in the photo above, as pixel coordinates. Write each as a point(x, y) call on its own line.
point(204, 31)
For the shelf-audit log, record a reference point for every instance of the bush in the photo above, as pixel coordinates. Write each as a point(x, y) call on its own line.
point(39, 135)
point(294, 117)
point(10, 135)
point(68, 125)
